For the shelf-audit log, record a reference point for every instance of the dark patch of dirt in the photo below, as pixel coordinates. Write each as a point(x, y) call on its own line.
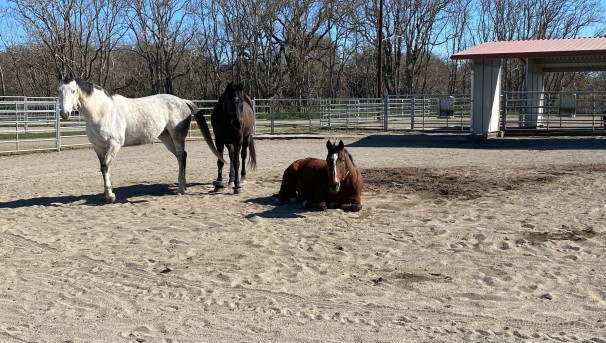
point(465, 183)
point(405, 277)
point(568, 234)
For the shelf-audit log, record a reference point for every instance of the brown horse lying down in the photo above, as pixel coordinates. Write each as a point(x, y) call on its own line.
point(320, 184)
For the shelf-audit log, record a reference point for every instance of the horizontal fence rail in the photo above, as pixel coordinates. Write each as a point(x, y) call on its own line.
point(33, 124)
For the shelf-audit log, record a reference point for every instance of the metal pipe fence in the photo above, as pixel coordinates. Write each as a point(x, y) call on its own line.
point(28, 124)
point(32, 124)
point(570, 112)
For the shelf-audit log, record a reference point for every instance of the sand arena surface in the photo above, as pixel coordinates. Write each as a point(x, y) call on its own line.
point(456, 242)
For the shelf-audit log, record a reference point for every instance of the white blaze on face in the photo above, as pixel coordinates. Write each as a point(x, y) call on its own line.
point(67, 98)
point(334, 157)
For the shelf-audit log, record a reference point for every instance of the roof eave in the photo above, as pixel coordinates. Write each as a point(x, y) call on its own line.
point(483, 56)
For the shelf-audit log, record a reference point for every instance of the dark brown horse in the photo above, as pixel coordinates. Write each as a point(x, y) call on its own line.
point(233, 121)
point(332, 183)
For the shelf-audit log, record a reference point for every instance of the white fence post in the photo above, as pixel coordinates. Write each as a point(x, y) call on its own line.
point(57, 126)
point(271, 115)
point(412, 112)
point(25, 115)
point(385, 113)
point(254, 102)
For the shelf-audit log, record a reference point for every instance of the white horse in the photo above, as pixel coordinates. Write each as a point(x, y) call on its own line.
point(113, 121)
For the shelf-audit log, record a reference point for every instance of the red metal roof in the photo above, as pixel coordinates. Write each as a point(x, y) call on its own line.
point(545, 48)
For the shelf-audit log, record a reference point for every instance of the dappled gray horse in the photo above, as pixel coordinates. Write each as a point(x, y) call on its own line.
point(114, 121)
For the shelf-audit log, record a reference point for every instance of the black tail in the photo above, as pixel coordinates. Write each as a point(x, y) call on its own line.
point(206, 132)
point(252, 159)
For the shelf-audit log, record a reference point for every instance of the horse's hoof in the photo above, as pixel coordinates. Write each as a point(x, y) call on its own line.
point(237, 190)
point(110, 199)
point(219, 186)
point(356, 207)
point(352, 207)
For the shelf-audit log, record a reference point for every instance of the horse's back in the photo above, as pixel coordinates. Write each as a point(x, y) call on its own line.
point(147, 117)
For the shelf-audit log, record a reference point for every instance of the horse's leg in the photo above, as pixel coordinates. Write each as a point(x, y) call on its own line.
point(219, 182)
point(235, 168)
point(353, 207)
point(105, 158)
point(315, 206)
point(232, 160)
point(176, 145)
point(179, 142)
point(244, 154)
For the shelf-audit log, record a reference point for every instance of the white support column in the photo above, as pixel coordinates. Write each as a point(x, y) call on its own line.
point(535, 94)
point(486, 95)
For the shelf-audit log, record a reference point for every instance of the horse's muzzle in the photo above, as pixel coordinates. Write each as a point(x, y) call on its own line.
point(65, 115)
point(334, 187)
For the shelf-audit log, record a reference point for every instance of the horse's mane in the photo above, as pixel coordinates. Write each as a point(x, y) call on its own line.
point(350, 157)
point(88, 87)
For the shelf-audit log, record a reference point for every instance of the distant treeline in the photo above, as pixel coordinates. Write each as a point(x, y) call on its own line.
point(277, 48)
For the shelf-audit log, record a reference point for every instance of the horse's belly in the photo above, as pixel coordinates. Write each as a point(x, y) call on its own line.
point(132, 141)
point(141, 136)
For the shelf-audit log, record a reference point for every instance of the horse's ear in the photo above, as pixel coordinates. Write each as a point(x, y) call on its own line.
point(328, 145)
point(341, 145)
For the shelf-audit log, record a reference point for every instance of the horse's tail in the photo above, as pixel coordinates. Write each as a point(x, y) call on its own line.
point(252, 153)
point(199, 115)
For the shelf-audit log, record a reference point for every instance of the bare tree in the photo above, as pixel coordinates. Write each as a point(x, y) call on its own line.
point(300, 48)
point(71, 32)
point(301, 27)
point(502, 20)
point(162, 30)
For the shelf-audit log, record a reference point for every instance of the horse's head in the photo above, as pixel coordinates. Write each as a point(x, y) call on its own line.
point(233, 98)
point(338, 168)
point(68, 96)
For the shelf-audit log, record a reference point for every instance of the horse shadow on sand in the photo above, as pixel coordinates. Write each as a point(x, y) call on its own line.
point(125, 195)
point(285, 211)
point(463, 141)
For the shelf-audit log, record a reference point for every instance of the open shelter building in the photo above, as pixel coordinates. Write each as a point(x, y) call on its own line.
point(540, 57)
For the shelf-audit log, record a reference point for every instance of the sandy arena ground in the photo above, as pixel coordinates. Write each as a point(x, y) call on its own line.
point(456, 242)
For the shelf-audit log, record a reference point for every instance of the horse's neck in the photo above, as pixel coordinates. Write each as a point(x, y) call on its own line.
point(351, 168)
point(248, 101)
point(92, 106)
